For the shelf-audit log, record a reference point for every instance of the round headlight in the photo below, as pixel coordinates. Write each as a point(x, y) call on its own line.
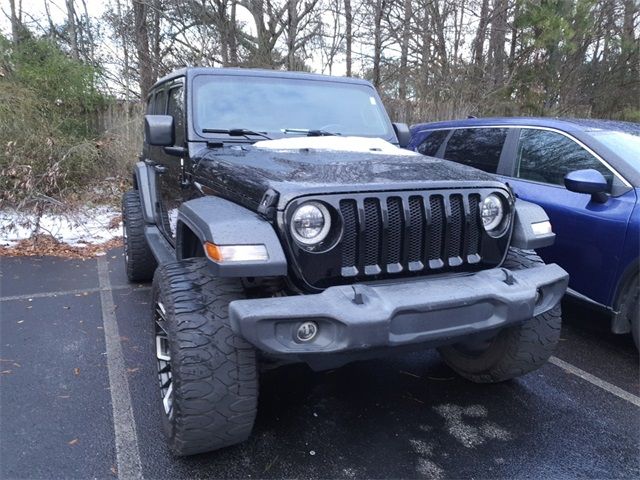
point(310, 223)
point(491, 212)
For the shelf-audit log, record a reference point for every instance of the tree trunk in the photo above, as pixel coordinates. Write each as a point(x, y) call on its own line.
point(348, 33)
point(404, 59)
point(91, 54)
point(125, 56)
point(514, 38)
point(73, 32)
point(377, 40)
point(145, 69)
point(459, 26)
point(16, 21)
point(497, 42)
point(292, 32)
point(233, 42)
point(481, 33)
point(631, 45)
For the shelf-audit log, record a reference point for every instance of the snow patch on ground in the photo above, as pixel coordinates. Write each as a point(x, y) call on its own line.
point(335, 143)
point(91, 226)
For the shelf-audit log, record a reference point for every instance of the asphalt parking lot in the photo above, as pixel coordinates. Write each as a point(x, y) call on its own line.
point(78, 399)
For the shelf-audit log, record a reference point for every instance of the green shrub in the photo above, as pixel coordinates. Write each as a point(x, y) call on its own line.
point(48, 102)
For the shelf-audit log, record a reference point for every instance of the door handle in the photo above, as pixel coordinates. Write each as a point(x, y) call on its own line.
point(160, 169)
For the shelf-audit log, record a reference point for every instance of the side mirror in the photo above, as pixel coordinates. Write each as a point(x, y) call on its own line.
point(588, 181)
point(158, 130)
point(403, 133)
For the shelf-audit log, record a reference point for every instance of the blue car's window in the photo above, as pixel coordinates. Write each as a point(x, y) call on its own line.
point(477, 147)
point(432, 142)
point(266, 104)
point(545, 156)
point(625, 145)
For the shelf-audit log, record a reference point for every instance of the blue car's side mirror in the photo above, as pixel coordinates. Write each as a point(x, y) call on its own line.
point(588, 181)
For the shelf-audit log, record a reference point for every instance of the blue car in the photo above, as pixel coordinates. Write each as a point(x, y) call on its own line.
point(586, 175)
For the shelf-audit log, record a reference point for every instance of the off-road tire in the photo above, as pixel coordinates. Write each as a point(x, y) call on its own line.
point(629, 307)
point(138, 259)
point(515, 350)
point(214, 373)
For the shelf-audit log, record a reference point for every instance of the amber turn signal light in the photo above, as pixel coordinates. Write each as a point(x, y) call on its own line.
point(236, 253)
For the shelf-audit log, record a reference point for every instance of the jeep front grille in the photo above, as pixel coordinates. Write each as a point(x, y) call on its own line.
point(409, 233)
point(402, 233)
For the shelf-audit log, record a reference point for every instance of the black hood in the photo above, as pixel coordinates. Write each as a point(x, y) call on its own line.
point(250, 172)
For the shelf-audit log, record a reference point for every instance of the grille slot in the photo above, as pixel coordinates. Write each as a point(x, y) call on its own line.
point(392, 234)
point(436, 230)
point(474, 225)
point(349, 211)
point(456, 218)
point(372, 231)
point(416, 212)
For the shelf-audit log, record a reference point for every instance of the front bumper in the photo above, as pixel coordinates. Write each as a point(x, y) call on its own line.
point(364, 316)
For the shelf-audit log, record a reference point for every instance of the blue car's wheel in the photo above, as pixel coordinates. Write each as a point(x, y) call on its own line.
point(629, 308)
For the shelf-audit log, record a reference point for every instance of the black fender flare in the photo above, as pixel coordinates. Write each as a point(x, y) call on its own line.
point(144, 183)
point(222, 222)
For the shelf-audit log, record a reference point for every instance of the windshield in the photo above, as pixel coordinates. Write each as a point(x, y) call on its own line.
point(272, 105)
point(625, 145)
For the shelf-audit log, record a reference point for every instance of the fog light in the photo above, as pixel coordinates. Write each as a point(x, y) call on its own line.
point(307, 331)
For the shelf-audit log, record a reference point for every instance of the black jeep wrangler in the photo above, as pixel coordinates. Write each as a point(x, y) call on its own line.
point(281, 222)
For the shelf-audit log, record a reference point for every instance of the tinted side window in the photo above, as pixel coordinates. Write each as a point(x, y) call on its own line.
point(545, 156)
point(477, 147)
point(176, 110)
point(160, 103)
point(432, 142)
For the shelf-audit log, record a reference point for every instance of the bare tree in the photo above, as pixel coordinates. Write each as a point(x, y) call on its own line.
point(141, 34)
point(16, 20)
point(73, 32)
point(497, 41)
point(378, 15)
point(269, 28)
point(348, 34)
point(301, 27)
point(404, 57)
point(481, 34)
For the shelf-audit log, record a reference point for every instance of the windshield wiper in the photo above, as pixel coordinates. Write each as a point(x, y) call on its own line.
point(309, 132)
point(236, 132)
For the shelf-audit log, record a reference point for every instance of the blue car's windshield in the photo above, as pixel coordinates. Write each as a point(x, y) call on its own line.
point(271, 105)
point(624, 144)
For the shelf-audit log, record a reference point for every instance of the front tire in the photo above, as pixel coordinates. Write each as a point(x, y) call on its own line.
point(513, 351)
point(138, 258)
point(207, 374)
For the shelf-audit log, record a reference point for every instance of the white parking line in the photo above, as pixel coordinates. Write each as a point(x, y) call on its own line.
point(617, 391)
point(69, 292)
point(126, 439)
